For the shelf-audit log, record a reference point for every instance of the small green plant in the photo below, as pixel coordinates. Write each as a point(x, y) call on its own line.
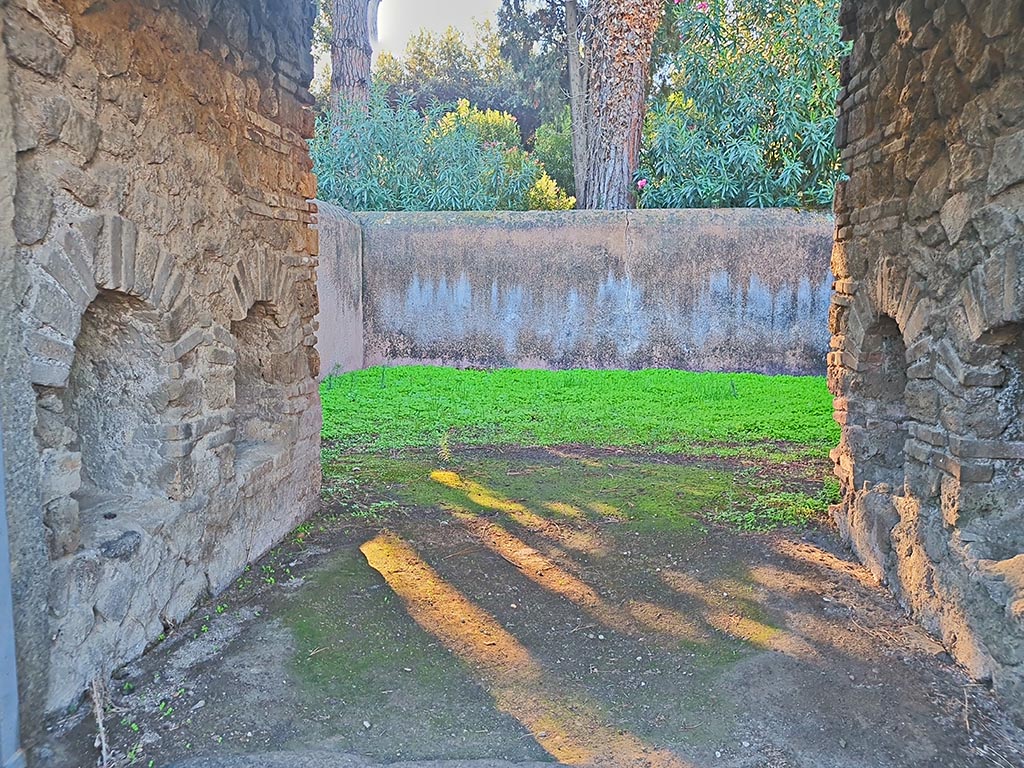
point(301, 533)
point(553, 146)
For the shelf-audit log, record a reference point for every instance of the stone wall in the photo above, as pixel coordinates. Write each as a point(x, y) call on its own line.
point(702, 290)
point(928, 315)
point(157, 303)
point(340, 285)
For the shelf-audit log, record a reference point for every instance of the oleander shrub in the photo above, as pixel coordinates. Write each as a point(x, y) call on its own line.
point(748, 114)
point(382, 157)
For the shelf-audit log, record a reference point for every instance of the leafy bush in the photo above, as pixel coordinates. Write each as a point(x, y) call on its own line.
point(546, 195)
point(553, 146)
point(444, 67)
point(750, 117)
point(489, 126)
point(377, 157)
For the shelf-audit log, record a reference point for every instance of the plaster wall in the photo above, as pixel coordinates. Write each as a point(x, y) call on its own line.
point(730, 290)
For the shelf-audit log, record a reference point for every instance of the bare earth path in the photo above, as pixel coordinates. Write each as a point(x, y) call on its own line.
point(532, 606)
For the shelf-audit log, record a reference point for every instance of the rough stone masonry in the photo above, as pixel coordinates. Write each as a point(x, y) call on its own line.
point(928, 318)
point(157, 302)
point(157, 306)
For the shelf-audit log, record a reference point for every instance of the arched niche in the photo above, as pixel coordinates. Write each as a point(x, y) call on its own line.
point(878, 402)
point(260, 379)
point(115, 399)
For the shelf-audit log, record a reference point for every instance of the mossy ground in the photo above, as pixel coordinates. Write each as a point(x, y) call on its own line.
point(646, 493)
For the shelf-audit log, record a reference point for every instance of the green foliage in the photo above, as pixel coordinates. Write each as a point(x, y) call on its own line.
point(553, 147)
point(383, 158)
point(322, 28)
point(749, 119)
point(488, 126)
point(533, 41)
point(443, 68)
point(765, 504)
point(667, 410)
point(546, 195)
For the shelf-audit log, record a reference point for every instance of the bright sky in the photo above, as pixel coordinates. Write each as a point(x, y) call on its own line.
point(399, 19)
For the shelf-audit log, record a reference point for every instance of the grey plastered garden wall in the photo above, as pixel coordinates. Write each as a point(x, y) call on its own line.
point(708, 290)
point(340, 285)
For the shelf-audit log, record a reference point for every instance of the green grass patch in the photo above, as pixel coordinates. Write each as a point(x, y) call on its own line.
point(640, 494)
point(671, 411)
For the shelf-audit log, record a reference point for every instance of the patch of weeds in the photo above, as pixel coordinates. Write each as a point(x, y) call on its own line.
point(764, 507)
point(244, 581)
point(831, 492)
point(301, 533)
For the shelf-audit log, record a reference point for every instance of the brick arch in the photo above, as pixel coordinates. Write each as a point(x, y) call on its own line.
point(993, 297)
point(892, 293)
point(263, 278)
point(89, 256)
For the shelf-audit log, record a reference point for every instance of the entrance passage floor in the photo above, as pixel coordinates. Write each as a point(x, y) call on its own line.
point(594, 608)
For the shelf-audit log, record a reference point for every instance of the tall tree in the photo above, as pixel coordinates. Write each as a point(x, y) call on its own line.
point(532, 35)
point(351, 53)
point(448, 66)
point(578, 76)
point(597, 56)
point(609, 91)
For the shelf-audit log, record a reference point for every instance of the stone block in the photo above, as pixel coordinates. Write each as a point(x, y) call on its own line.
point(955, 214)
point(52, 307)
point(31, 46)
point(33, 202)
point(1007, 166)
point(61, 517)
point(82, 134)
point(930, 191)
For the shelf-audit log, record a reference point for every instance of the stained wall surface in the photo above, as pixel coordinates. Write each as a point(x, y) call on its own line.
point(157, 304)
point(928, 318)
point(731, 290)
point(340, 286)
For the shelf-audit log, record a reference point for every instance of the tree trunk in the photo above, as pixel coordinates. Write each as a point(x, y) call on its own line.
point(577, 97)
point(351, 53)
point(619, 71)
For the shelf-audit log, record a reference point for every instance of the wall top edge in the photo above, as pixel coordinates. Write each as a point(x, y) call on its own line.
point(710, 216)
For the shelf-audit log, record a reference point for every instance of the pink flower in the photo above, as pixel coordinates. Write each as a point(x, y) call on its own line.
point(702, 7)
point(641, 184)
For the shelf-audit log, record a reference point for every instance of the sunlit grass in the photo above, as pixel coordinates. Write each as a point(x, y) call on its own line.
point(668, 411)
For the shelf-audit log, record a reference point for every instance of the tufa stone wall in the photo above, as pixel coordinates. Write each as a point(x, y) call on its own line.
point(732, 290)
point(160, 373)
point(928, 317)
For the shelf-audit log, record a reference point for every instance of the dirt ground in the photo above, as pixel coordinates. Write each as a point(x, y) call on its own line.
point(586, 607)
